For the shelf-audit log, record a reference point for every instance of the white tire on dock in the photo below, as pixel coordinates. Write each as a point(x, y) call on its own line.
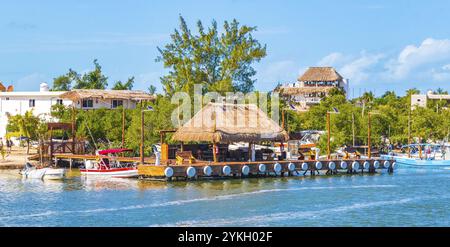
point(331, 165)
point(190, 172)
point(277, 168)
point(245, 170)
point(305, 166)
point(366, 165)
point(291, 167)
point(344, 165)
point(393, 165)
point(355, 165)
point(376, 164)
point(262, 167)
point(207, 170)
point(386, 164)
point(318, 165)
point(226, 170)
point(168, 172)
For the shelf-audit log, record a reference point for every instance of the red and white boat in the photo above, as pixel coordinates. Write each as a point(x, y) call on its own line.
point(108, 166)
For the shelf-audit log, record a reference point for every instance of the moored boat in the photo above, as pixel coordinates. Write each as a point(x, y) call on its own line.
point(432, 156)
point(108, 166)
point(30, 171)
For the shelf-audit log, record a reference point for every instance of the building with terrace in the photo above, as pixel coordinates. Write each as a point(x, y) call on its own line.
point(312, 87)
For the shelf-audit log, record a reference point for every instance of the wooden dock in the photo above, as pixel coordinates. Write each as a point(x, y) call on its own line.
point(169, 170)
point(207, 170)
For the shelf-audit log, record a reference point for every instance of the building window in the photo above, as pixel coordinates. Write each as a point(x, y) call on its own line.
point(117, 103)
point(7, 98)
point(31, 103)
point(88, 103)
point(59, 101)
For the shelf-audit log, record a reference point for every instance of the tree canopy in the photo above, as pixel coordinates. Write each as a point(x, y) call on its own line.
point(222, 62)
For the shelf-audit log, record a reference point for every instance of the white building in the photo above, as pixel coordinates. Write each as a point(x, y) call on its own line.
point(41, 102)
point(312, 86)
point(421, 100)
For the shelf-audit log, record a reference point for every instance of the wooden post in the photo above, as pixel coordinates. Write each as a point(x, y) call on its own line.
point(409, 133)
point(250, 151)
point(214, 152)
point(420, 148)
point(181, 146)
point(353, 128)
point(142, 138)
point(51, 146)
point(328, 136)
point(368, 138)
point(73, 129)
point(123, 127)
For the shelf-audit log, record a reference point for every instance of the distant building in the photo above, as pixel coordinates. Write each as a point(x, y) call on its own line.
point(421, 100)
point(41, 102)
point(312, 86)
point(95, 98)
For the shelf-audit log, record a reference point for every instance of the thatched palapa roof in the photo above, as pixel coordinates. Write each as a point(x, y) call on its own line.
point(135, 95)
point(318, 74)
point(225, 123)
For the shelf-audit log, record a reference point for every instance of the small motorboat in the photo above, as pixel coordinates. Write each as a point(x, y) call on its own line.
point(433, 156)
point(30, 171)
point(107, 165)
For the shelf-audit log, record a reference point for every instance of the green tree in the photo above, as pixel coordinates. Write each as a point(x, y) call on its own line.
point(91, 80)
point(221, 62)
point(62, 83)
point(124, 86)
point(151, 89)
point(27, 125)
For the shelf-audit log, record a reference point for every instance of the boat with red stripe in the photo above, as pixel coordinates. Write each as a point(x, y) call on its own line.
point(107, 166)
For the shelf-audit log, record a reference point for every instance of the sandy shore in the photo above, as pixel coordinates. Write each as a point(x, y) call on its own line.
point(16, 159)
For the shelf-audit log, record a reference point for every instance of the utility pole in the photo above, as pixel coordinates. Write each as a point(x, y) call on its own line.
point(142, 138)
point(353, 128)
point(409, 133)
point(123, 127)
point(328, 136)
point(369, 154)
point(73, 129)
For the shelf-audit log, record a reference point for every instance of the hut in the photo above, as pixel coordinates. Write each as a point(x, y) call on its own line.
point(312, 86)
point(226, 123)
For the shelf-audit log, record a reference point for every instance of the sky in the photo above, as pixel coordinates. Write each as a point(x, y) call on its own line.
point(378, 45)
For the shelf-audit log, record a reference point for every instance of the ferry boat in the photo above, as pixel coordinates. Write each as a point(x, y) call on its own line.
point(108, 166)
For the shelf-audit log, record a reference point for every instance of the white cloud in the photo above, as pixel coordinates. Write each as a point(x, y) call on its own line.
point(333, 59)
point(442, 74)
point(360, 69)
point(357, 68)
point(413, 57)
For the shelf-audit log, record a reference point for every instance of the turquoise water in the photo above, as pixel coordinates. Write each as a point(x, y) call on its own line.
point(409, 197)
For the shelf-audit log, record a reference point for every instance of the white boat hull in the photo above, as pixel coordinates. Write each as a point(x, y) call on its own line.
point(115, 172)
point(54, 173)
point(33, 173)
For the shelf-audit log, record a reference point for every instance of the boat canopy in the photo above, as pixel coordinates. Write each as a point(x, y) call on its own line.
point(114, 151)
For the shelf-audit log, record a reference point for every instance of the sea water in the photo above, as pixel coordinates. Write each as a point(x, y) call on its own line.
point(409, 197)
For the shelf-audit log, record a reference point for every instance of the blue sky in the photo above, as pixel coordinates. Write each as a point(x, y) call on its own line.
point(377, 45)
